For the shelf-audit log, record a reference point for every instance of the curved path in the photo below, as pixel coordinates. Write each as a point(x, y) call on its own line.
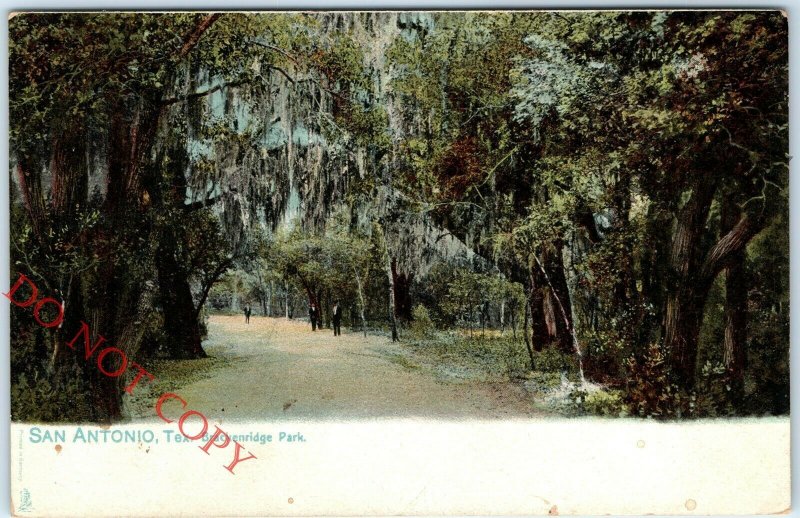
point(280, 369)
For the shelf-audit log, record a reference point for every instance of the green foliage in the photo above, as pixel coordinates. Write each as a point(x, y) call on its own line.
point(422, 327)
point(584, 141)
point(478, 357)
point(469, 294)
point(650, 392)
point(553, 360)
point(605, 403)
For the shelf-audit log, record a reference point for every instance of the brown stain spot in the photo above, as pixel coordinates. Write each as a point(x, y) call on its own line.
point(58, 448)
point(640, 443)
point(105, 426)
point(291, 500)
point(691, 505)
point(553, 511)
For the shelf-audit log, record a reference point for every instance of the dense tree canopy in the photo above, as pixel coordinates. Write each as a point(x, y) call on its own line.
point(613, 184)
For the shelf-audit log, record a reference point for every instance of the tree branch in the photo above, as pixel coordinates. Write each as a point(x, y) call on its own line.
point(201, 203)
point(732, 242)
point(224, 265)
point(191, 39)
point(276, 49)
point(204, 93)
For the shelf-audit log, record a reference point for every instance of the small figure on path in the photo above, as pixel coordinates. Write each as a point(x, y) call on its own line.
point(312, 315)
point(337, 319)
point(247, 311)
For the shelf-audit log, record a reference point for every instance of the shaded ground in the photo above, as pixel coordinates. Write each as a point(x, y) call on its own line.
point(278, 368)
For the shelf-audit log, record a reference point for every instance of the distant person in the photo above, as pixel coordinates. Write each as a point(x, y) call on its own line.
point(247, 311)
point(337, 319)
point(312, 315)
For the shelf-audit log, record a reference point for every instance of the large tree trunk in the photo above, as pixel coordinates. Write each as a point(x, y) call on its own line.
point(402, 292)
point(389, 263)
point(116, 297)
point(687, 290)
point(181, 326)
point(559, 299)
point(735, 355)
point(692, 274)
point(682, 320)
point(538, 323)
point(735, 352)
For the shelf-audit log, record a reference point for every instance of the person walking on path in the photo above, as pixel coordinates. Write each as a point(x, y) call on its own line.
point(247, 311)
point(312, 315)
point(337, 319)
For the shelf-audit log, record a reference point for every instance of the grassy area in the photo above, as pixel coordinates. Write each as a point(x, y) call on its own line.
point(170, 376)
point(173, 374)
point(553, 385)
point(403, 361)
point(493, 355)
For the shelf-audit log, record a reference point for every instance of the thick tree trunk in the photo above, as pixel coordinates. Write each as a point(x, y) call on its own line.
point(559, 299)
point(735, 355)
point(682, 320)
point(654, 264)
point(389, 263)
point(687, 287)
point(181, 325)
point(735, 352)
point(107, 396)
point(538, 324)
point(691, 276)
point(402, 292)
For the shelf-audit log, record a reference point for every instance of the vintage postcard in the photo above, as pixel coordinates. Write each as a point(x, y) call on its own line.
point(399, 263)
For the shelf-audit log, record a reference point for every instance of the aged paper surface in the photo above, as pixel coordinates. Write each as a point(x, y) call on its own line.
point(419, 468)
point(399, 263)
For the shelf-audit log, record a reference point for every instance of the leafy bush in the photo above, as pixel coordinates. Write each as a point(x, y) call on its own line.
point(551, 359)
point(713, 392)
point(65, 397)
point(422, 327)
point(650, 392)
point(543, 381)
point(605, 403)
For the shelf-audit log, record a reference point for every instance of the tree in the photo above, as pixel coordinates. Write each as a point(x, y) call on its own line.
point(670, 77)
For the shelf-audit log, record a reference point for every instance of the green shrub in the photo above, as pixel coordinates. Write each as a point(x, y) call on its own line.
point(422, 327)
point(543, 381)
point(605, 403)
point(41, 398)
point(650, 392)
point(551, 359)
point(713, 397)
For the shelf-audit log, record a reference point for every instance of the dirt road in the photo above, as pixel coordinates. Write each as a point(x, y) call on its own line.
point(279, 369)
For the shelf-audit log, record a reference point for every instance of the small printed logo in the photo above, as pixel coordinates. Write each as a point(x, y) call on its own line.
point(25, 505)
